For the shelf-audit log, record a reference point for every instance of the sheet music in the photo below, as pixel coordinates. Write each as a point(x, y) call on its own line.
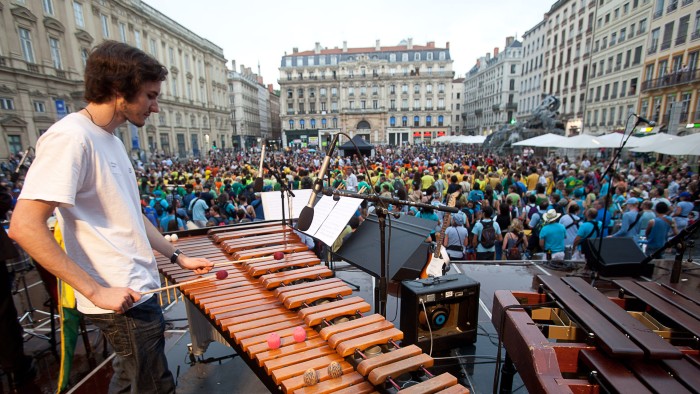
point(272, 204)
point(331, 217)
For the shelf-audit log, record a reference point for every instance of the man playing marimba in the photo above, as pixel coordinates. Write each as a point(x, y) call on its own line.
point(82, 171)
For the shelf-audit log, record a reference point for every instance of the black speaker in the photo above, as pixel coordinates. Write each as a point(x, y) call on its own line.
point(616, 257)
point(445, 308)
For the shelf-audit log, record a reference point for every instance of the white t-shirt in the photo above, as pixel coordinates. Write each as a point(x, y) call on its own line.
point(88, 173)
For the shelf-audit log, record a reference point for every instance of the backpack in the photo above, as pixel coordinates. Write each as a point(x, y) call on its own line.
point(533, 210)
point(514, 253)
point(573, 223)
point(533, 242)
point(158, 206)
point(398, 184)
point(488, 235)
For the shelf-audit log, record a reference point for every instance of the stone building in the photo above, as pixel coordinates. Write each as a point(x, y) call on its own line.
point(531, 92)
point(619, 39)
point(43, 50)
point(670, 89)
point(391, 94)
point(491, 89)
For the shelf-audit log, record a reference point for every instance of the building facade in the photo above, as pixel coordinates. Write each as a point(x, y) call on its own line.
point(531, 91)
point(620, 37)
point(670, 90)
point(245, 107)
point(457, 104)
point(43, 50)
point(395, 94)
point(570, 25)
point(491, 89)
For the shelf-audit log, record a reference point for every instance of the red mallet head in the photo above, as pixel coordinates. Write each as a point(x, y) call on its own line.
point(274, 341)
point(279, 255)
point(221, 274)
point(299, 334)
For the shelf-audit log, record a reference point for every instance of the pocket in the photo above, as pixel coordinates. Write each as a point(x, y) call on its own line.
point(116, 331)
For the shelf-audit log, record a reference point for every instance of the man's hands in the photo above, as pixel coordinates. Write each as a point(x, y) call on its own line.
point(118, 299)
point(197, 264)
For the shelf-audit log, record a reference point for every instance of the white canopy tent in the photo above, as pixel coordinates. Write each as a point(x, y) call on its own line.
point(688, 145)
point(615, 139)
point(469, 139)
point(541, 141)
point(649, 144)
point(585, 141)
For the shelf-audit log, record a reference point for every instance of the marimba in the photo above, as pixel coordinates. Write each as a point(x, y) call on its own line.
point(569, 337)
point(262, 295)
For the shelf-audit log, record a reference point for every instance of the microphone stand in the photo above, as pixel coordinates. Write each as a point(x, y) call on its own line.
point(608, 195)
point(283, 187)
point(382, 210)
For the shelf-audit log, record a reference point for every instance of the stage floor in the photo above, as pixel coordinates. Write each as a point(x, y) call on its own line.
point(216, 373)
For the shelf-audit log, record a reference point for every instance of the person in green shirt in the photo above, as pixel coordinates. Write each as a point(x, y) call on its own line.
point(361, 184)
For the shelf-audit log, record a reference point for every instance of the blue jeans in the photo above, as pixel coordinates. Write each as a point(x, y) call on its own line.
point(137, 338)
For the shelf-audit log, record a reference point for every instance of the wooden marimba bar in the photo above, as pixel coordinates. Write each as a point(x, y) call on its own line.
point(262, 295)
point(569, 337)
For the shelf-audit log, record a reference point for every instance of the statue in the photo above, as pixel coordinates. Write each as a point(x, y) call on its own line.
point(544, 120)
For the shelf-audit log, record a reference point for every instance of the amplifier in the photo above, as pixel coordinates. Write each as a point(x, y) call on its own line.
point(444, 308)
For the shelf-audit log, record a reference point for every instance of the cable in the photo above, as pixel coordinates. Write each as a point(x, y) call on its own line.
point(430, 330)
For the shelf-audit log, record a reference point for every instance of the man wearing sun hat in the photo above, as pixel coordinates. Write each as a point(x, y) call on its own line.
point(552, 235)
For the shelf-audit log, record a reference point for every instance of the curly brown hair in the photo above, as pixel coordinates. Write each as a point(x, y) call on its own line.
point(114, 68)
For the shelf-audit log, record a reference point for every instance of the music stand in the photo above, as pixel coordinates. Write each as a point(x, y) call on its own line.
point(407, 250)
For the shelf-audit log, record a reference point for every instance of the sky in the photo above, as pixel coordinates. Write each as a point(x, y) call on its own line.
point(260, 32)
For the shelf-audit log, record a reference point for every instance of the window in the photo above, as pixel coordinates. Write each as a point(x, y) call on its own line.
point(15, 143)
point(375, 104)
point(122, 31)
point(392, 57)
point(654, 44)
point(363, 104)
point(55, 53)
point(335, 123)
point(682, 30)
point(302, 124)
point(48, 7)
point(392, 104)
point(375, 90)
point(334, 92)
point(416, 121)
point(363, 90)
point(84, 54)
point(441, 89)
point(137, 39)
point(351, 104)
point(429, 88)
point(171, 55)
point(404, 57)
point(291, 124)
point(351, 91)
point(78, 14)
point(416, 89)
point(428, 120)
point(429, 104)
point(404, 121)
point(7, 103)
point(105, 25)
point(416, 56)
point(441, 120)
point(153, 47)
point(25, 39)
point(642, 26)
point(313, 123)
point(404, 88)
point(324, 122)
point(416, 104)
point(392, 121)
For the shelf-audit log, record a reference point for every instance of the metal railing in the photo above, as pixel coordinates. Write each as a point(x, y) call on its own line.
point(673, 79)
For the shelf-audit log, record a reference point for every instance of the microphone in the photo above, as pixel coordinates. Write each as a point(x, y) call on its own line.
point(258, 183)
point(643, 120)
point(306, 216)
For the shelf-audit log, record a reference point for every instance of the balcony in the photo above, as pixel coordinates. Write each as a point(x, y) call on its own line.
point(695, 35)
point(440, 108)
point(404, 108)
point(686, 2)
point(680, 40)
point(511, 106)
point(33, 68)
point(651, 50)
point(617, 68)
point(579, 36)
point(496, 107)
point(3, 61)
point(478, 112)
point(658, 14)
point(665, 45)
point(677, 78)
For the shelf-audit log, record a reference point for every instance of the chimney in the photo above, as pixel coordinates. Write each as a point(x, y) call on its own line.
point(410, 43)
point(317, 48)
point(488, 56)
point(377, 47)
point(509, 40)
point(495, 52)
point(242, 68)
point(345, 46)
point(295, 50)
point(431, 44)
point(270, 88)
point(447, 45)
point(233, 65)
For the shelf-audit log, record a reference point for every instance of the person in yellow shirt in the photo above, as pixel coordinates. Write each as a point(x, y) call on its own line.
point(427, 180)
point(532, 180)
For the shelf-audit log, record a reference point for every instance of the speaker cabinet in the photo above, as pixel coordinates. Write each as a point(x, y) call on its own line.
point(616, 257)
point(444, 308)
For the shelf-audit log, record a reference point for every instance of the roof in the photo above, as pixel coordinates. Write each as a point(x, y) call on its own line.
point(338, 51)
